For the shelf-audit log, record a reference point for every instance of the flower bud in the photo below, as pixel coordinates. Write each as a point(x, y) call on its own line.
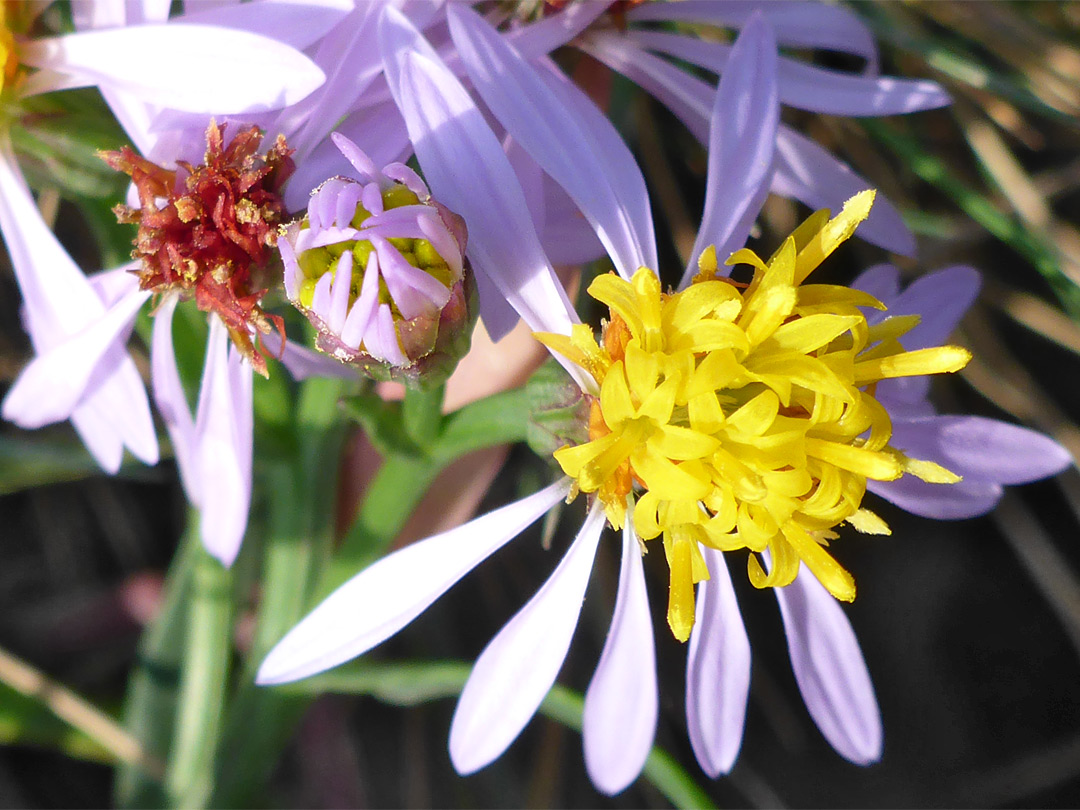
point(379, 269)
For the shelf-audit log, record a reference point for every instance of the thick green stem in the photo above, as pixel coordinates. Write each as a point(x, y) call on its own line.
point(208, 647)
point(151, 699)
point(300, 521)
point(391, 498)
point(422, 414)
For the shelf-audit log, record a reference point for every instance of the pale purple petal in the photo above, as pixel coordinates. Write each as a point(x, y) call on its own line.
point(688, 97)
point(811, 175)
point(517, 668)
point(112, 285)
point(564, 132)
point(378, 602)
point(98, 433)
point(808, 87)
point(717, 671)
point(356, 324)
point(170, 398)
point(380, 128)
point(414, 291)
point(235, 72)
point(381, 340)
point(469, 173)
point(802, 24)
point(51, 284)
point(339, 294)
point(52, 384)
point(981, 448)
point(969, 498)
point(621, 703)
point(830, 670)
point(742, 140)
point(116, 392)
point(223, 447)
point(298, 23)
point(351, 65)
point(881, 281)
point(940, 299)
point(302, 362)
point(543, 36)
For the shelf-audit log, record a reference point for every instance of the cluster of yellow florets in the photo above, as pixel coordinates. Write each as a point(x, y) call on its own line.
point(745, 418)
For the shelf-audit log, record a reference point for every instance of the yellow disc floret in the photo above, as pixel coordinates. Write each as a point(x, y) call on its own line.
point(9, 62)
point(745, 417)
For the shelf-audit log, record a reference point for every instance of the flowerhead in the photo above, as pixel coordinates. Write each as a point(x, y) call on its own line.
point(378, 268)
point(207, 232)
point(745, 418)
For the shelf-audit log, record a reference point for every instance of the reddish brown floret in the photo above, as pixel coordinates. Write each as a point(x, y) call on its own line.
point(213, 237)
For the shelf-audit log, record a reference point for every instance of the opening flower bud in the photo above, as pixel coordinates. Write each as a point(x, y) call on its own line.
point(379, 269)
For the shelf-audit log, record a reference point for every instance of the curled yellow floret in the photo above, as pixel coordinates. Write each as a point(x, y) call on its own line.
point(743, 416)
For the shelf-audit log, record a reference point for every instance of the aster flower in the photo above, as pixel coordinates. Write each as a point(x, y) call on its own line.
point(204, 233)
point(721, 419)
point(382, 231)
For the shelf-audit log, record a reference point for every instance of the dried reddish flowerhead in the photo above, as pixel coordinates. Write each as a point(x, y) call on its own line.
point(208, 231)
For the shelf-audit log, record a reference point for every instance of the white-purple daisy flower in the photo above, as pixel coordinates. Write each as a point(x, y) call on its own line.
point(79, 328)
point(467, 169)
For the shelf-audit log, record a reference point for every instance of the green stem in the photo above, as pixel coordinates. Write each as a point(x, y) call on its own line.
point(422, 414)
point(189, 779)
point(391, 498)
point(300, 532)
point(151, 699)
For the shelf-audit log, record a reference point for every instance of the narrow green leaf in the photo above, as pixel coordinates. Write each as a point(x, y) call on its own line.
point(152, 689)
point(24, 721)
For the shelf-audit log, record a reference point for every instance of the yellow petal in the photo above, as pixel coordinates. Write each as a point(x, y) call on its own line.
point(939, 360)
point(836, 231)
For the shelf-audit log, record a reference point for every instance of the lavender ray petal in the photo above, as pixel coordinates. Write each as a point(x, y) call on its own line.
point(981, 448)
point(830, 670)
point(51, 386)
point(222, 451)
point(293, 23)
point(802, 24)
point(517, 668)
point(940, 299)
point(564, 132)
point(742, 140)
point(808, 87)
point(883, 282)
point(171, 400)
point(460, 154)
point(717, 672)
point(809, 173)
point(621, 703)
point(236, 72)
point(382, 599)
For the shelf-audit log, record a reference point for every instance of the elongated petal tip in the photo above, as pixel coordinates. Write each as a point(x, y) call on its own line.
point(621, 703)
point(830, 670)
point(379, 601)
point(516, 670)
point(717, 672)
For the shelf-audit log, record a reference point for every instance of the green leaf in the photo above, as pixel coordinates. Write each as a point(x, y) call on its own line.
point(498, 419)
point(24, 721)
point(152, 689)
point(28, 461)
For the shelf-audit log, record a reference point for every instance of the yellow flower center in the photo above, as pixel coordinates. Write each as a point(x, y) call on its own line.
point(9, 63)
point(745, 418)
